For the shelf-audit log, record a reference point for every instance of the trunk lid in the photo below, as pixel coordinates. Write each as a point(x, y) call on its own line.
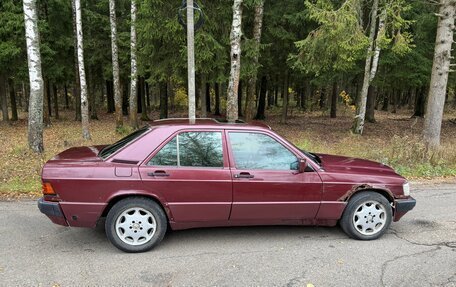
point(79, 154)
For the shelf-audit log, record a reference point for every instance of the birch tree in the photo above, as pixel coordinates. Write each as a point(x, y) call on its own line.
point(235, 41)
point(134, 76)
point(82, 75)
point(76, 85)
point(115, 64)
point(191, 61)
point(358, 124)
point(439, 77)
point(35, 121)
point(257, 26)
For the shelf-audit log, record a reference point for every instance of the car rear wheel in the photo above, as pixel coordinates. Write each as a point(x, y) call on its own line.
point(135, 224)
point(367, 216)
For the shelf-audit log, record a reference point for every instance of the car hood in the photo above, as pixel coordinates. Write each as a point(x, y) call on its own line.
point(80, 154)
point(343, 164)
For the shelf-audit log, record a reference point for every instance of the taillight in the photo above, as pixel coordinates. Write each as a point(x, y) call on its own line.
point(47, 189)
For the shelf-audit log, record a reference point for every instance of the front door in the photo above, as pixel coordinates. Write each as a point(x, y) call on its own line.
point(191, 173)
point(266, 181)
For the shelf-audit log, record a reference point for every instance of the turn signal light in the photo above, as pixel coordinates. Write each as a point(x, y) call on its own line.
point(47, 189)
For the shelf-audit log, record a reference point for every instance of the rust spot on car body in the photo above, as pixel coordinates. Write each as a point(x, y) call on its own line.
point(363, 187)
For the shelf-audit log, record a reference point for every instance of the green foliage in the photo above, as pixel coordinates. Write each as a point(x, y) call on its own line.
point(338, 42)
point(12, 38)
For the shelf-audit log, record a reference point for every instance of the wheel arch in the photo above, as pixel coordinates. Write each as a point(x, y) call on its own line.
point(115, 199)
point(363, 188)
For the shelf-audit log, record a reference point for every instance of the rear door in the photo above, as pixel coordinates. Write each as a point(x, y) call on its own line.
point(191, 172)
point(266, 181)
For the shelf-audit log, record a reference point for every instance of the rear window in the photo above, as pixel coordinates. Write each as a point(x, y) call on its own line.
point(110, 149)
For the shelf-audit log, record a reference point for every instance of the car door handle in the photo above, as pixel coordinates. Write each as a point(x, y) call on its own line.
point(158, 173)
point(243, 175)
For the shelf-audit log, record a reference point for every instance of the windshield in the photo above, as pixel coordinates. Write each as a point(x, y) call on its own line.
point(110, 149)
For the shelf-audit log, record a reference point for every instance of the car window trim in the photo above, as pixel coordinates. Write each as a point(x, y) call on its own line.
point(271, 135)
point(225, 159)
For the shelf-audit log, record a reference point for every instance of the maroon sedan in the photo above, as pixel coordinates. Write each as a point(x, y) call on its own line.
point(181, 175)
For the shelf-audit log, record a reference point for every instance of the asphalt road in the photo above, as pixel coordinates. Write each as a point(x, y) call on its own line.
point(420, 250)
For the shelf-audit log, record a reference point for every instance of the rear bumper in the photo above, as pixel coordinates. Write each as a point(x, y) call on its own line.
point(402, 206)
point(53, 211)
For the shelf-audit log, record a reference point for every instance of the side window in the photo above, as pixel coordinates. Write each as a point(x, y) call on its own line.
point(198, 149)
point(203, 149)
point(167, 156)
point(259, 151)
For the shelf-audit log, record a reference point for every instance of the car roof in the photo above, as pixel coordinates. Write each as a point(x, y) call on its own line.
point(209, 123)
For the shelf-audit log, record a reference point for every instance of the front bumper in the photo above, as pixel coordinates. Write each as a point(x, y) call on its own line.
point(53, 211)
point(402, 206)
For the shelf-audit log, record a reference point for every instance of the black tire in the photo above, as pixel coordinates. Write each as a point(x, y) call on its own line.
point(363, 204)
point(126, 210)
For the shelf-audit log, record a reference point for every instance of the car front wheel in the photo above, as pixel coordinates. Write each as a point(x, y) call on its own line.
point(367, 216)
point(135, 224)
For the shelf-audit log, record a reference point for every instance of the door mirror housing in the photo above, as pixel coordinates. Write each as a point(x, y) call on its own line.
point(302, 165)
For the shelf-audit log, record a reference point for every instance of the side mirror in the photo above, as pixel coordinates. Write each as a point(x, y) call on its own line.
point(302, 165)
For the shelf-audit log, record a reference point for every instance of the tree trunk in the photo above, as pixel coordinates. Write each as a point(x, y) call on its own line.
point(276, 95)
point(12, 92)
point(334, 101)
point(163, 100)
point(322, 101)
point(394, 101)
point(235, 41)
point(307, 96)
point(217, 99)
point(239, 99)
point(203, 97)
point(257, 27)
point(208, 97)
point(191, 61)
point(76, 84)
point(370, 105)
point(65, 91)
point(35, 116)
point(82, 76)
point(172, 95)
point(262, 99)
point(56, 101)
point(93, 102)
point(358, 125)
point(439, 76)
point(385, 101)
point(420, 101)
point(142, 87)
point(3, 95)
point(115, 65)
point(133, 74)
point(147, 96)
point(110, 97)
point(25, 93)
point(48, 98)
point(46, 104)
point(285, 100)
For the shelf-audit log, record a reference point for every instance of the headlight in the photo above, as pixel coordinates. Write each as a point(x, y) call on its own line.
point(406, 189)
